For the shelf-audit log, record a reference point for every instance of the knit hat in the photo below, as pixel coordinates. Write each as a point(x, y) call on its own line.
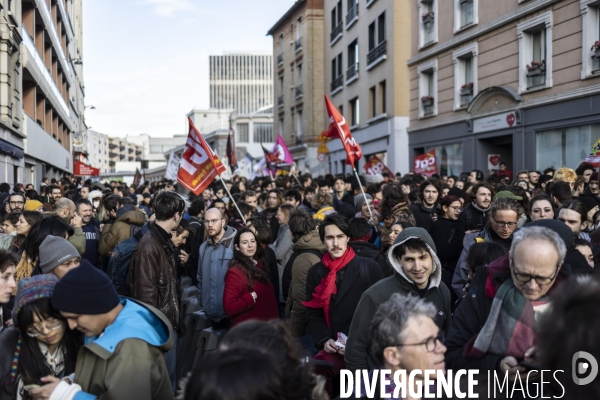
point(31, 290)
point(506, 193)
point(588, 202)
point(54, 251)
point(32, 205)
point(594, 176)
point(359, 200)
point(85, 290)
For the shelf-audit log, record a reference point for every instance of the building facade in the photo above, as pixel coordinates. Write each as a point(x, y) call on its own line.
point(97, 149)
point(518, 83)
point(366, 78)
point(51, 85)
point(298, 48)
point(241, 81)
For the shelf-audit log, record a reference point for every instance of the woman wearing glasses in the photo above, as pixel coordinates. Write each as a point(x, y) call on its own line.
point(40, 344)
point(448, 234)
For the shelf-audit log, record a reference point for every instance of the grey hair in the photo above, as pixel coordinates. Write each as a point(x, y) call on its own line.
point(389, 323)
point(507, 204)
point(540, 233)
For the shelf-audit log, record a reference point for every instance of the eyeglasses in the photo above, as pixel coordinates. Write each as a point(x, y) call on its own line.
point(503, 224)
point(212, 221)
point(456, 208)
point(430, 343)
point(49, 326)
point(525, 278)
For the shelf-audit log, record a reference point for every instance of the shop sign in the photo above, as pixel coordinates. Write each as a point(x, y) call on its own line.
point(493, 161)
point(494, 122)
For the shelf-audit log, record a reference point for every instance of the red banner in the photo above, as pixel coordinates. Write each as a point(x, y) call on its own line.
point(426, 164)
point(375, 166)
point(83, 169)
point(200, 165)
point(338, 128)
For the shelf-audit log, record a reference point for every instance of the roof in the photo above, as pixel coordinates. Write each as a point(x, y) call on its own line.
point(297, 5)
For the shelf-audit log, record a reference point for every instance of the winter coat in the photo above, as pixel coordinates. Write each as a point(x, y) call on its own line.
point(77, 239)
point(126, 361)
point(345, 206)
point(368, 250)
point(238, 303)
point(283, 250)
point(423, 216)
point(152, 275)
point(341, 308)
point(213, 263)
point(120, 230)
point(448, 235)
point(192, 247)
point(8, 343)
point(295, 312)
point(473, 218)
point(358, 353)
point(269, 215)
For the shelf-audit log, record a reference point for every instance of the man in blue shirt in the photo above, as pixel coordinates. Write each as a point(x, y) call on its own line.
point(91, 229)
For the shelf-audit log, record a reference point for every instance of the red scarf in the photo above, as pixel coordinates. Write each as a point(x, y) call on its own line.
point(327, 287)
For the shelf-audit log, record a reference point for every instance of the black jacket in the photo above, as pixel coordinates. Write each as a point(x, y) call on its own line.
point(423, 216)
point(342, 305)
point(473, 219)
point(345, 206)
point(368, 250)
point(448, 235)
point(8, 343)
point(192, 247)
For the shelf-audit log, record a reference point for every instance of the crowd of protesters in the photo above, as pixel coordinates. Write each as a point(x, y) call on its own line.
point(307, 275)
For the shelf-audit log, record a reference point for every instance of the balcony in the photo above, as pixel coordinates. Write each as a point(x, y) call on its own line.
point(138, 159)
point(280, 101)
point(298, 44)
point(112, 154)
point(352, 73)
point(112, 146)
point(138, 152)
point(336, 33)
point(111, 163)
point(280, 59)
point(299, 91)
point(122, 147)
point(377, 55)
point(130, 149)
point(352, 16)
point(337, 83)
point(122, 156)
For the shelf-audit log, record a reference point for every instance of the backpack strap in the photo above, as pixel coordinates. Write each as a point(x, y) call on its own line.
point(363, 270)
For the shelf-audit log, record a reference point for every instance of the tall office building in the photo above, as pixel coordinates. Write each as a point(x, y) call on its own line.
point(241, 81)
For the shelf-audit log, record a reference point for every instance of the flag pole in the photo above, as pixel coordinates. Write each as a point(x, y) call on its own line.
point(294, 175)
point(363, 192)
point(231, 198)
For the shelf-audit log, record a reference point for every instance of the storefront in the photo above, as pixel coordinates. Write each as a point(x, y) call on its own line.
point(528, 135)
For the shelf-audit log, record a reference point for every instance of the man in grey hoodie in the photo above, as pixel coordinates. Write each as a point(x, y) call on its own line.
point(214, 256)
point(417, 271)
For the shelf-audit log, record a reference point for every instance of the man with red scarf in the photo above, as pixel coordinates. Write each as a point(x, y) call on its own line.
point(334, 287)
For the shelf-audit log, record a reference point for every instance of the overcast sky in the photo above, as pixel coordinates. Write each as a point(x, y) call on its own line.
point(146, 61)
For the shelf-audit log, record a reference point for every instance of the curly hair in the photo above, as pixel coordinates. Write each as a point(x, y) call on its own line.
point(392, 196)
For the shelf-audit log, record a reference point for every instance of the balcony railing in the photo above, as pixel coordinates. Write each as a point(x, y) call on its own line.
point(299, 90)
point(112, 146)
point(337, 31)
point(352, 72)
point(299, 44)
point(138, 152)
point(280, 59)
point(337, 82)
point(352, 15)
point(377, 52)
point(280, 101)
point(130, 149)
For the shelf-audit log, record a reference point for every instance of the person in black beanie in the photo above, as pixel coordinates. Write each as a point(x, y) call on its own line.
point(122, 356)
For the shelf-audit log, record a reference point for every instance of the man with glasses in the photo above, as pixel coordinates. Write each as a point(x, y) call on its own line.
point(504, 216)
point(16, 202)
point(214, 256)
point(417, 272)
point(405, 337)
point(493, 328)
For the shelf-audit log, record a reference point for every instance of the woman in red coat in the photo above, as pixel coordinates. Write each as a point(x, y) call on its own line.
point(248, 292)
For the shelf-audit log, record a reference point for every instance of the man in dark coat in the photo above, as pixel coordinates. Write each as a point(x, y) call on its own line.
point(424, 211)
point(474, 217)
point(360, 241)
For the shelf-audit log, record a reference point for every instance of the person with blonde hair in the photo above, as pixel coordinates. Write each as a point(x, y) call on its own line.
point(322, 202)
point(566, 175)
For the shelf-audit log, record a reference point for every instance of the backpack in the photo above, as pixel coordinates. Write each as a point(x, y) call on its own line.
point(365, 272)
point(118, 265)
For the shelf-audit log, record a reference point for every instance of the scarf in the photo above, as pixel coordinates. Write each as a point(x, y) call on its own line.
point(327, 287)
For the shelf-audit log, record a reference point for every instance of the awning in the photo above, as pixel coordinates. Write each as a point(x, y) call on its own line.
point(83, 169)
point(11, 149)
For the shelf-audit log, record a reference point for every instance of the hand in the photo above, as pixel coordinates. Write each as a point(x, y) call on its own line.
point(434, 217)
point(510, 364)
point(183, 256)
point(330, 346)
point(44, 392)
point(341, 351)
point(9, 322)
point(531, 357)
point(590, 215)
point(101, 227)
point(76, 221)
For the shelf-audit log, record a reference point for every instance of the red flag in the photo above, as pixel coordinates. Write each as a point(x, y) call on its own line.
point(199, 163)
point(137, 177)
point(426, 164)
point(338, 128)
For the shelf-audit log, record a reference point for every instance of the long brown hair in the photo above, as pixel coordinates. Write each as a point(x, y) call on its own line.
point(239, 260)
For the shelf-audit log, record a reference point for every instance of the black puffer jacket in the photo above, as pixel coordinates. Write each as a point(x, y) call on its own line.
point(423, 216)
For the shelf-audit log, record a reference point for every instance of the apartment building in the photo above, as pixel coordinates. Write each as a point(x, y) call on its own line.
point(97, 149)
point(366, 77)
point(518, 80)
point(298, 48)
point(153, 149)
point(51, 84)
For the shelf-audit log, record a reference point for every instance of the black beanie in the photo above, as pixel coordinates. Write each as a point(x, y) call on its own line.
point(85, 290)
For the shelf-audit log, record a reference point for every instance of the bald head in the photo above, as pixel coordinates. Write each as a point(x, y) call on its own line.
point(214, 221)
point(213, 213)
point(62, 204)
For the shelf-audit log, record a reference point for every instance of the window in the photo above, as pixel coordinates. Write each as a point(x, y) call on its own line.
point(564, 147)
point(377, 43)
point(281, 126)
point(465, 75)
point(352, 72)
point(337, 77)
point(280, 98)
point(298, 34)
point(337, 26)
point(382, 97)
point(243, 131)
point(263, 132)
point(280, 55)
point(354, 112)
point(373, 102)
point(299, 132)
point(427, 74)
point(428, 23)
point(352, 15)
point(590, 53)
point(535, 53)
point(465, 14)
point(299, 84)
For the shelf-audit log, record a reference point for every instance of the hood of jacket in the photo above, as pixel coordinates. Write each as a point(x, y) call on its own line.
point(229, 234)
point(135, 321)
point(417, 233)
point(311, 241)
point(132, 217)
